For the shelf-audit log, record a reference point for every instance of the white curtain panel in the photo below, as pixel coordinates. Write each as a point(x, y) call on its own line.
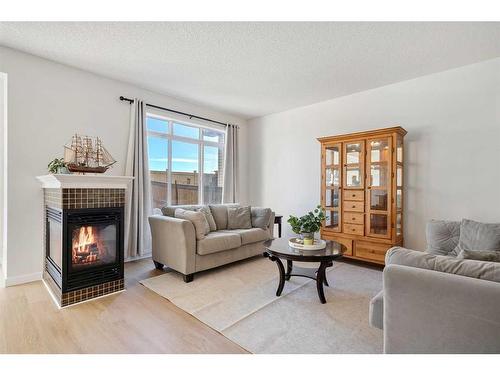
point(138, 208)
point(230, 185)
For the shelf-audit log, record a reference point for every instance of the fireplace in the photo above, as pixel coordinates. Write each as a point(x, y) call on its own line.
point(84, 236)
point(84, 246)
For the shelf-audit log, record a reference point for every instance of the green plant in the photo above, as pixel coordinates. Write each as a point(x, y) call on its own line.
point(55, 164)
point(309, 223)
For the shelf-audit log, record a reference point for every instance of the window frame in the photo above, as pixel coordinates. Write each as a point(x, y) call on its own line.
point(200, 142)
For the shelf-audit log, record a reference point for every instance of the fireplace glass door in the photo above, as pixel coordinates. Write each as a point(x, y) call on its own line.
point(93, 245)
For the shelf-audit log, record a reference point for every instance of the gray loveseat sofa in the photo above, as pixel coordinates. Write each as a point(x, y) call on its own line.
point(175, 243)
point(434, 302)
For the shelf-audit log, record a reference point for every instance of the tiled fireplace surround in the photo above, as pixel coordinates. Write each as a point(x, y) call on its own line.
point(66, 192)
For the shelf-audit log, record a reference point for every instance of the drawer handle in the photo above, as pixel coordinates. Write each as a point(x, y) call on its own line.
point(353, 218)
point(353, 206)
point(354, 229)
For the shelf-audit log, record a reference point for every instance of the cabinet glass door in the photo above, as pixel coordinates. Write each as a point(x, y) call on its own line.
point(353, 165)
point(399, 186)
point(378, 164)
point(331, 189)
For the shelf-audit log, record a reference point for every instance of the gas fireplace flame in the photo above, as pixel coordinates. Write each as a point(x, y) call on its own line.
point(85, 246)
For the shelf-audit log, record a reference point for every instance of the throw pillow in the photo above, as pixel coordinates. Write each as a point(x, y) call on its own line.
point(484, 255)
point(477, 236)
point(261, 217)
point(219, 212)
point(442, 236)
point(198, 219)
point(239, 217)
point(210, 218)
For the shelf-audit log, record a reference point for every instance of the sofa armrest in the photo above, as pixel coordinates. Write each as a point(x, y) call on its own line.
point(435, 312)
point(173, 243)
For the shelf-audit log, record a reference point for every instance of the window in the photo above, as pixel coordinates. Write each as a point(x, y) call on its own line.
point(185, 162)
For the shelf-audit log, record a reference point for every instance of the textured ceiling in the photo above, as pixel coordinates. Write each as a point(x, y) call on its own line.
point(253, 69)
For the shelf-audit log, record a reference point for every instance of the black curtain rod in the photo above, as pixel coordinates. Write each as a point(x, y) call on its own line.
point(174, 111)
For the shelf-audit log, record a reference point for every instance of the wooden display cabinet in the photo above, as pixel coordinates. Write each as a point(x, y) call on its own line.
point(362, 191)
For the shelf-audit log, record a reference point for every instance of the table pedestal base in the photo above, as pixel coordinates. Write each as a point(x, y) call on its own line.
point(319, 275)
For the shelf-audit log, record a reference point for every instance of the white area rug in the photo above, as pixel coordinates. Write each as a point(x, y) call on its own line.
point(239, 301)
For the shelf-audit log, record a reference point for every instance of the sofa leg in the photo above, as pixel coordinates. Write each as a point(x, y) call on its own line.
point(158, 265)
point(188, 278)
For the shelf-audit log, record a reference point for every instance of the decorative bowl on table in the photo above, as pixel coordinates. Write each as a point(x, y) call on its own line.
point(298, 243)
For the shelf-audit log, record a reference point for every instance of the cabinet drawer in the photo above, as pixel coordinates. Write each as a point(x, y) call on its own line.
point(370, 250)
point(354, 206)
point(354, 195)
point(353, 218)
point(347, 243)
point(354, 229)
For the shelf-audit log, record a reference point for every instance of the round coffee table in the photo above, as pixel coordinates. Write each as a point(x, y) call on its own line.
point(278, 249)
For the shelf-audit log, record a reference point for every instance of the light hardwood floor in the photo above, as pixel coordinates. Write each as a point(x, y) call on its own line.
point(134, 321)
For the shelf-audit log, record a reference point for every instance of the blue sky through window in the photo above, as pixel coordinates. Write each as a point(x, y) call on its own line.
point(184, 155)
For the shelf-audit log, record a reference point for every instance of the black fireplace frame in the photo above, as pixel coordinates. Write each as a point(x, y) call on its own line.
point(69, 280)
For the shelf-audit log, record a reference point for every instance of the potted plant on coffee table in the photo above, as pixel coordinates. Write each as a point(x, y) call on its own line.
point(307, 225)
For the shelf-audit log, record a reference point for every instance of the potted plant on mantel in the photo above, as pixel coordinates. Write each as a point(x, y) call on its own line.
point(57, 166)
point(307, 225)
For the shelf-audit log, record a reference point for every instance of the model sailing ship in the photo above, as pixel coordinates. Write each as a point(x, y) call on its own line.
point(87, 155)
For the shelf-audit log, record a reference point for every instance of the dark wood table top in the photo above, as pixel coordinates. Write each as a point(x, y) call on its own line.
point(279, 247)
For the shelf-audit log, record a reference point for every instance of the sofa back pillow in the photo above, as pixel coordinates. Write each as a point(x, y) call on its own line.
point(198, 219)
point(219, 212)
point(210, 218)
point(442, 236)
point(239, 217)
point(261, 217)
point(478, 236)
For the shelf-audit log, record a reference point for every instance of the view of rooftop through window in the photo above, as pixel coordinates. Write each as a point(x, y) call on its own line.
point(185, 162)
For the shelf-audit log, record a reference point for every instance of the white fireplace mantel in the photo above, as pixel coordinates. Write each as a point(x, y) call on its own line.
point(75, 181)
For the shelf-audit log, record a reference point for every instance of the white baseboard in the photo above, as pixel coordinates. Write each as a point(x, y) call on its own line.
point(23, 279)
point(148, 255)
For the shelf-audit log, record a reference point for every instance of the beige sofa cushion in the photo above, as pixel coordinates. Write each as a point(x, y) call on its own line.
point(261, 217)
point(219, 212)
point(250, 235)
point(464, 267)
point(218, 241)
point(198, 219)
point(239, 218)
point(208, 215)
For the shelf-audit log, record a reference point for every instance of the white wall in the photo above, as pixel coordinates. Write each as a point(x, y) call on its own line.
point(3, 148)
point(48, 102)
point(452, 146)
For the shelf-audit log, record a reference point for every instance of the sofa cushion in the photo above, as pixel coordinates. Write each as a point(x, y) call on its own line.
point(218, 241)
point(250, 235)
point(464, 267)
point(198, 219)
point(208, 215)
point(484, 255)
point(239, 218)
point(219, 212)
point(442, 236)
point(261, 217)
point(478, 236)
